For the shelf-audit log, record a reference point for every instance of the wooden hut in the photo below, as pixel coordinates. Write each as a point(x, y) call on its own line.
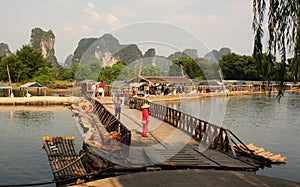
point(167, 81)
point(162, 80)
point(5, 89)
point(32, 86)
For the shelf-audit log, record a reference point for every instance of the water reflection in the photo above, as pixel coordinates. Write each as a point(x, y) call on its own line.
point(261, 120)
point(22, 128)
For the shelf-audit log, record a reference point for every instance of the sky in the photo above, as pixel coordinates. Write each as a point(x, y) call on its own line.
point(172, 24)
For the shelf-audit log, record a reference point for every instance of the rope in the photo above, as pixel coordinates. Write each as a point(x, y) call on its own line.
point(70, 163)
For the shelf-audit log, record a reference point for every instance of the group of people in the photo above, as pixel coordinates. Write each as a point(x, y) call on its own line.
point(145, 114)
point(98, 90)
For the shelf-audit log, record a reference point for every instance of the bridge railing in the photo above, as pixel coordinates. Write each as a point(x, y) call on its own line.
point(214, 136)
point(111, 123)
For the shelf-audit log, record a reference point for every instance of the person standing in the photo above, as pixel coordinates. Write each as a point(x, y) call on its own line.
point(145, 119)
point(100, 91)
point(123, 96)
point(102, 85)
point(96, 90)
point(117, 105)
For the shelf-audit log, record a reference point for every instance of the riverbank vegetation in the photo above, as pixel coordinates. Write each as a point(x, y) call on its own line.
point(283, 40)
point(29, 65)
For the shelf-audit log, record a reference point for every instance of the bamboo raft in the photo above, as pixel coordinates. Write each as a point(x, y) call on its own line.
point(259, 151)
point(66, 165)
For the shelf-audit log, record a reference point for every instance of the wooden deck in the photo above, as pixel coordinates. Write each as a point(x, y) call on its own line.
point(168, 147)
point(175, 141)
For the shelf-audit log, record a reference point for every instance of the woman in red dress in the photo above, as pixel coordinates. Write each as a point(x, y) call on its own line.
point(145, 119)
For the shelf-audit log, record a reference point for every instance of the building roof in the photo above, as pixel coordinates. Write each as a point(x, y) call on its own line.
point(32, 85)
point(4, 86)
point(163, 79)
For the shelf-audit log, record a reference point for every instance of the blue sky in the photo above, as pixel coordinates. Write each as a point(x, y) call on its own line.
point(215, 23)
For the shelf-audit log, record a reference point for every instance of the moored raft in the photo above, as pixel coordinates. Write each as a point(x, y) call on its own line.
point(66, 165)
point(259, 151)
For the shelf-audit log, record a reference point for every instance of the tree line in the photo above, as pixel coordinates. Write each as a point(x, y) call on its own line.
point(29, 65)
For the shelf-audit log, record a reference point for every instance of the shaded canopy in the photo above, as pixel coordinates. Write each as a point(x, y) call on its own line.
point(162, 80)
point(32, 85)
point(4, 86)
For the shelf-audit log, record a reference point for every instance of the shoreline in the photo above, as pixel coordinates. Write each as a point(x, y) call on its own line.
point(68, 100)
point(199, 96)
point(36, 100)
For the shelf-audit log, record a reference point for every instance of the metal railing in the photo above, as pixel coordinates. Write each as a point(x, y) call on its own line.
point(214, 136)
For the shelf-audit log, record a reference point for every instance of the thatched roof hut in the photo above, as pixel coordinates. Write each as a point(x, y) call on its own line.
point(32, 85)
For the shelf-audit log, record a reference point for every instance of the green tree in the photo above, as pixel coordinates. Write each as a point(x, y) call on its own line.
point(15, 68)
point(83, 72)
point(32, 61)
point(210, 69)
point(236, 67)
point(283, 33)
point(126, 74)
point(24, 65)
point(109, 74)
point(64, 73)
point(150, 70)
point(45, 75)
point(188, 66)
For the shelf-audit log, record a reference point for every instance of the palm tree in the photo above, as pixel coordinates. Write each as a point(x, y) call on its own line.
point(283, 19)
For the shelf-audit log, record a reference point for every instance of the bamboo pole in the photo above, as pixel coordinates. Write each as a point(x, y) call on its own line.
point(11, 94)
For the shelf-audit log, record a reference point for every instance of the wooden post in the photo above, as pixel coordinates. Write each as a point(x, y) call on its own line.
point(9, 78)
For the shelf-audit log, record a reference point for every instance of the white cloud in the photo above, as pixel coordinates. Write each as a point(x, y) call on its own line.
point(90, 5)
point(87, 29)
point(112, 20)
point(68, 28)
point(105, 18)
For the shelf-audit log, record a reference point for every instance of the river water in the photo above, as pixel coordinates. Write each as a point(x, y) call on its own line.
point(22, 159)
point(257, 119)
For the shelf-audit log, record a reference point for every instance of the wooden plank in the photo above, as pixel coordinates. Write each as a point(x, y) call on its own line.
point(63, 162)
point(170, 137)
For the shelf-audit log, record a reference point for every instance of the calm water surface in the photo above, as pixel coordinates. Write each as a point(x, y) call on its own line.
point(256, 118)
point(22, 159)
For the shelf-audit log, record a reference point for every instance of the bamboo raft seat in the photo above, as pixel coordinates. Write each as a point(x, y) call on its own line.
point(259, 151)
point(66, 165)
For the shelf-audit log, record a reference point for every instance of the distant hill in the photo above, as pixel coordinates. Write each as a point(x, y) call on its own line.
point(4, 49)
point(193, 53)
point(215, 56)
point(107, 50)
point(44, 42)
point(68, 62)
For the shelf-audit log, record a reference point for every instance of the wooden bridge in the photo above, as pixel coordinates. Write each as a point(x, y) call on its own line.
point(176, 140)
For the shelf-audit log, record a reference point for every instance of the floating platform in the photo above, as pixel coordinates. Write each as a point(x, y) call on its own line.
point(176, 141)
point(36, 100)
point(259, 151)
point(66, 165)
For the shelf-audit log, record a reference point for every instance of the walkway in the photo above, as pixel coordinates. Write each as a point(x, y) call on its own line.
point(171, 166)
point(167, 146)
